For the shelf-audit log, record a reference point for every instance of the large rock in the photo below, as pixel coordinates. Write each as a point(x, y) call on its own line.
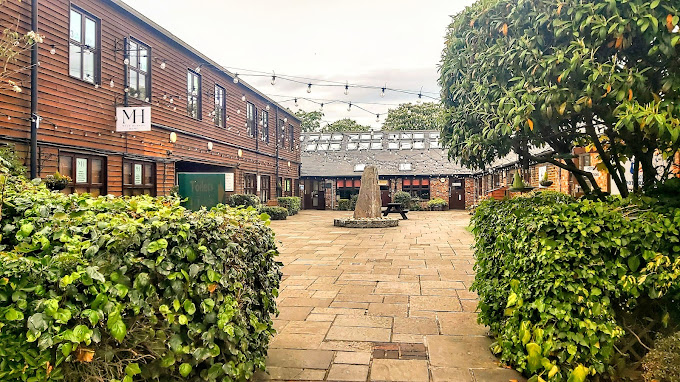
point(369, 202)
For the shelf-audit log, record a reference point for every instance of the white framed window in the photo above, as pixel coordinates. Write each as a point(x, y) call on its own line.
point(311, 147)
point(406, 145)
point(435, 145)
point(322, 147)
point(364, 145)
point(393, 145)
point(359, 167)
point(418, 145)
point(405, 166)
point(352, 146)
point(376, 145)
point(334, 147)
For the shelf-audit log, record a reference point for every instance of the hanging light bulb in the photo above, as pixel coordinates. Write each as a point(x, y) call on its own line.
point(227, 118)
point(408, 112)
point(163, 64)
point(96, 86)
point(321, 108)
point(309, 88)
point(346, 88)
point(126, 90)
point(382, 92)
point(285, 120)
point(53, 50)
point(377, 117)
point(165, 96)
point(9, 118)
point(349, 106)
point(296, 102)
point(126, 61)
point(267, 107)
point(243, 97)
point(236, 78)
point(238, 111)
point(111, 83)
point(172, 100)
point(420, 96)
point(273, 78)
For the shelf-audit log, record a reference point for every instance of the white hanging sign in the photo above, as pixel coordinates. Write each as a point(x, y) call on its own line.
point(138, 174)
point(81, 170)
point(229, 182)
point(134, 118)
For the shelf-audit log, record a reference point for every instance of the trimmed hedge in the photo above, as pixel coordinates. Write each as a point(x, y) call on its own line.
point(132, 288)
point(275, 212)
point(662, 364)
point(291, 203)
point(437, 203)
point(343, 205)
point(557, 277)
point(243, 200)
point(404, 198)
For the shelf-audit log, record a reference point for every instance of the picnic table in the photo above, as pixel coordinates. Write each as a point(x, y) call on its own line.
point(396, 208)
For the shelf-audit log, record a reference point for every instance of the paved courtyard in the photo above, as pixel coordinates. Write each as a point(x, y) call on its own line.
point(379, 305)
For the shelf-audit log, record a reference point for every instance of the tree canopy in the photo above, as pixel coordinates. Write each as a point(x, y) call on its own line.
point(310, 120)
point(408, 116)
point(346, 124)
point(557, 74)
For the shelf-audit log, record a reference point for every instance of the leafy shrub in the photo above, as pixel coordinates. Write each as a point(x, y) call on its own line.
point(119, 288)
point(10, 162)
point(662, 364)
point(437, 203)
point(404, 198)
point(556, 278)
point(343, 205)
point(275, 212)
point(243, 200)
point(353, 202)
point(291, 203)
point(416, 204)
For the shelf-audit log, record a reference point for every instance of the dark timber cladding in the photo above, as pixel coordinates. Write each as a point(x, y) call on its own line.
point(106, 55)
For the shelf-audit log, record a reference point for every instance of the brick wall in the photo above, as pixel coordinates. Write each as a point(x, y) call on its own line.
point(470, 199)
point(439, 189)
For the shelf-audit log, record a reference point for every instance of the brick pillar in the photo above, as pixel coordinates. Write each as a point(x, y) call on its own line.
point(439, 189)
point(470, 198)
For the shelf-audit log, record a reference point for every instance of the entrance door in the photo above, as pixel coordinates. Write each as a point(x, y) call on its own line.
point(457, 194)
point(385, 192)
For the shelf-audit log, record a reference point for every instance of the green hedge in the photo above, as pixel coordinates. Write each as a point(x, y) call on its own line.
point(132, 288)
point(404, 198)
point(243, 200)
point(275, 212)
point(662, 364)
point(291, 203)
point(343, 205)
point(556, 277)
point(437, 203)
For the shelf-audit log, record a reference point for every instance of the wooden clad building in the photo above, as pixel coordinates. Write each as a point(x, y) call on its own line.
point(98, 55)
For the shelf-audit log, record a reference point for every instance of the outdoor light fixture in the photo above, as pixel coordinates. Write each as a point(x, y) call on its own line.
point(53, 50)
point(346, 89)
point(126, 61)
point(163, 65)
point(210, 146)
point(377, 117)
point(198, 69)
point(243, 97)
point(296, 102)
point(321, 108)
point(267, 107)
point(236, 78)
point(309, 88)
point(173, 137)
point(273, 78)
point(382, 92)
point(240, 153)
point(112, 84)
point(349, 106)
point(285, 120)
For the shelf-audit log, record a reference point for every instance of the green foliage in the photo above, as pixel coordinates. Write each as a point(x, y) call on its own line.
point(275, 212)
point(404, 198)
point(243, 200)
point(344, 125)
point(57, 181)
point(437, 203)
point(132, 288)
point(344, 205)
point(310, 121)
point(408, 116)
point(556, 277)
point(353, 202)
point(291, 203)
point(662, 364)
point(10, 162)
point(543, 73)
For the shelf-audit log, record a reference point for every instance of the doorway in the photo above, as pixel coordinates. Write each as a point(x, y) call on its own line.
point(457, 194)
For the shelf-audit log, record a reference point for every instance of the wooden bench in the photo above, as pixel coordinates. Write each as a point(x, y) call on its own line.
point(396, 208)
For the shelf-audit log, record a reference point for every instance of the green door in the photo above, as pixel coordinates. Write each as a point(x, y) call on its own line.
point(201, 189)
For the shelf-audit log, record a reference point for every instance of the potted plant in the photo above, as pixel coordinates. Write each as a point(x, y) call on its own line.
point(518, 184)
point(437, 204)
point(545, 182)
point(57, 182)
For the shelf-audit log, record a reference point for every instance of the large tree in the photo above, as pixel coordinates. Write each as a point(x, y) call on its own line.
point(346, 124)
point(408, 116)
point(556, 74)
point(309, 120)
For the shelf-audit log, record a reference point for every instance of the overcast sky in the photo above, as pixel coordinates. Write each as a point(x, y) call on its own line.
point(367, 42)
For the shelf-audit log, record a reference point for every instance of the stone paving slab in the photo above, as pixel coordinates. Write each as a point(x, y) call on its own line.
point(386, 304)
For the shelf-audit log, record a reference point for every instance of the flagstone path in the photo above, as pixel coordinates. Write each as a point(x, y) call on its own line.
point(379, 304)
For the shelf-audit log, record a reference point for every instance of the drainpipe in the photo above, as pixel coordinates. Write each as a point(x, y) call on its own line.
point(276, 124)
point(35, 119)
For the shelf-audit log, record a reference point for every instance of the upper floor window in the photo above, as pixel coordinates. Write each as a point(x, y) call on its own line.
point(220, 106)
point(251, 116)
point(282, 133)
point(291, 137)
point(84, 46)
point(265, 126)
point(193, 94)
point(139, 77)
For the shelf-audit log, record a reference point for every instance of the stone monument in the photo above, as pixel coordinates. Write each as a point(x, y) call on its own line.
point(369, 201)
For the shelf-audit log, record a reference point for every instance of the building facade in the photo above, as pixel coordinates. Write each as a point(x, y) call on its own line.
point(100, 55)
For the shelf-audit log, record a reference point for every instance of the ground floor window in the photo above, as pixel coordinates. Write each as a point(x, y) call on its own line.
point(346, 188)
point(86, 172)
point(264, 188)
point(139, 178)
point(417, 187)
point(288, 187)
point(279, 187)
point(250, 184)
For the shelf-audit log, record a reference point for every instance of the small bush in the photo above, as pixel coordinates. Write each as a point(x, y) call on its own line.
point(404, 198)
point(353, 202)
point(10, 162)
point(275, 212)
point(416, 204)
point(662, 364)
point(106, 288)
point(437, 203)
point(243, 200)
point(291, 203)
point(557, 277)
point(344, 205)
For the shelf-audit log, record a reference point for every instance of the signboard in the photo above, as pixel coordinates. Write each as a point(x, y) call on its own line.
point(457, 184)
point(81, 170)
point(202, 189)
point(383, 182)
point(541, 172)
point(229, 182)
point(138, 174)
point(133, 118)
point(259, 183)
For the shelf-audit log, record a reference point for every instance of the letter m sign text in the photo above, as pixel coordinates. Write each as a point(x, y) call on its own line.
point(133, 118)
